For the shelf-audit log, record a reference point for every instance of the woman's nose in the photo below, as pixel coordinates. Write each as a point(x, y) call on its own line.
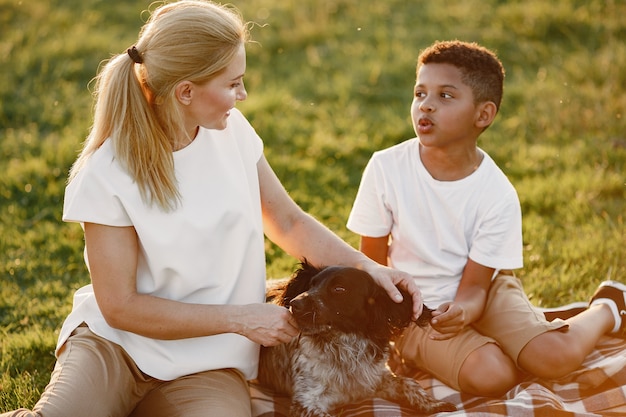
point(242, 94)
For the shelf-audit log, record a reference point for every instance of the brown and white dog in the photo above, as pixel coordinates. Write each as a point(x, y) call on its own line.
point(346, 322)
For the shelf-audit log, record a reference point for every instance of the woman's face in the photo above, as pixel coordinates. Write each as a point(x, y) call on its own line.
point(209, 104)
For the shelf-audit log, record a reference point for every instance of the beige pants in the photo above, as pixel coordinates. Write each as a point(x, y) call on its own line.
point(508, 320)
point(96, 378)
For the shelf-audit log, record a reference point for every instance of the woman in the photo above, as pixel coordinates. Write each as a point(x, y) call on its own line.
point(175, 195)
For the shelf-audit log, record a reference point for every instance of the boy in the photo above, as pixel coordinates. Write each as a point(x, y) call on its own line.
point(438, 207)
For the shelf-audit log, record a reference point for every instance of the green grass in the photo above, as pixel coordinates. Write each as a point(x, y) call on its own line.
point(329, 82)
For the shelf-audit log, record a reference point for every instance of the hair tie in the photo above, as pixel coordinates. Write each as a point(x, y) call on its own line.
point(133, 53)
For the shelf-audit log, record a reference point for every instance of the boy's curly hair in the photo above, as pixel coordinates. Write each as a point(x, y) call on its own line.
point(480, 68)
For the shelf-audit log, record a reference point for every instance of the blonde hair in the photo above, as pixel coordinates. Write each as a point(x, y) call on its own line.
point(136, 106)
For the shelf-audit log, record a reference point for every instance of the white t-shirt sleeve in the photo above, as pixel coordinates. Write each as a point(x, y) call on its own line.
point(497, 242)
point(91, 197)
point(370, 216)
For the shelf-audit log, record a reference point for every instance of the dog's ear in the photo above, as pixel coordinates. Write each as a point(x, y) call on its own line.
point(300, 282)
point(387, 318)
point(399, 314)
point(423, 320)
point(274, 290)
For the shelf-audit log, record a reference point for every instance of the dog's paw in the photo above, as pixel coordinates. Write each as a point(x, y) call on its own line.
point(439, 407)
point(408, 392)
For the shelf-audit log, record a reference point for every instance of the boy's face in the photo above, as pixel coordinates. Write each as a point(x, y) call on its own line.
point(443, 110)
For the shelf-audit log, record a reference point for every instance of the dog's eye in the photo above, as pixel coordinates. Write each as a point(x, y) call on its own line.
point(339, 290)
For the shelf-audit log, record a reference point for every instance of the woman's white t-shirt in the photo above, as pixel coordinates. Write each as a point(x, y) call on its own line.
point(209, 250)
point(435, 226)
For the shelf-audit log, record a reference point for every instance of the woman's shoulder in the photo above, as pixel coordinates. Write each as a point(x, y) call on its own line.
point(103, 157)
point(103, 165)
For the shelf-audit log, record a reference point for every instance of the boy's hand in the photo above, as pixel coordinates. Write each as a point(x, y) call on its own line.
point(448, 320)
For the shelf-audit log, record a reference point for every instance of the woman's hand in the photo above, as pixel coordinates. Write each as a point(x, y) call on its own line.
point(267, 324)
point(390, 279)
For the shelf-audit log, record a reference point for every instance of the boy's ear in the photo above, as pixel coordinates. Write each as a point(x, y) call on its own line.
point(486, 113)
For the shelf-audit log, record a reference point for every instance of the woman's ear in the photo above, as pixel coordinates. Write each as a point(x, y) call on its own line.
point(486, 113)
point(184, 92)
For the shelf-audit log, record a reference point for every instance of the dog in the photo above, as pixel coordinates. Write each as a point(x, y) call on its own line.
point(346, 323)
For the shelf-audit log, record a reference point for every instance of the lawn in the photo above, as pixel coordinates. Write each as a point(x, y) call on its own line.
point(329, 82)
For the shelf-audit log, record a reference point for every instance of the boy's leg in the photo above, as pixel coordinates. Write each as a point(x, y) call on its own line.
point(541, 348)
point(482, 359)
point(603, 316)
point(467, 354)
point(92, 377)
point(222, 392)
point(510, 318)
point(554, 354)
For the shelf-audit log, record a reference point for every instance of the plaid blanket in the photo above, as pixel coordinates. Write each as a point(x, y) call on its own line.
point(598, 388)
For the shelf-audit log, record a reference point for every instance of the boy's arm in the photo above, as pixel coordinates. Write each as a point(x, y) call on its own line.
point(468, 305)
point(376, 248)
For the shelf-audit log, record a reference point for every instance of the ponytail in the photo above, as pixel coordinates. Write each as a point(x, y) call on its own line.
point(136, 106)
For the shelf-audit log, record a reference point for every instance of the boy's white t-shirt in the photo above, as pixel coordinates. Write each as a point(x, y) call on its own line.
point(210, 250)
point(435, 226)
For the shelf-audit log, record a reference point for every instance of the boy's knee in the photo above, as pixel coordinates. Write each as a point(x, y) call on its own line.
point(494, 383)
point(488, 372)
point(550, 357)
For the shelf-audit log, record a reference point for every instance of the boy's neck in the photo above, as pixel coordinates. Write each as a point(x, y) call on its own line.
point(446, 166)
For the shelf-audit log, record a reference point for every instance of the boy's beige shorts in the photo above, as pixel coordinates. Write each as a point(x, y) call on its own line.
point(509, 320)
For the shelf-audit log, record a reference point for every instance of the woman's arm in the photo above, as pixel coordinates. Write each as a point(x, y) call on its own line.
point(113, 254)
point(300, 235)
